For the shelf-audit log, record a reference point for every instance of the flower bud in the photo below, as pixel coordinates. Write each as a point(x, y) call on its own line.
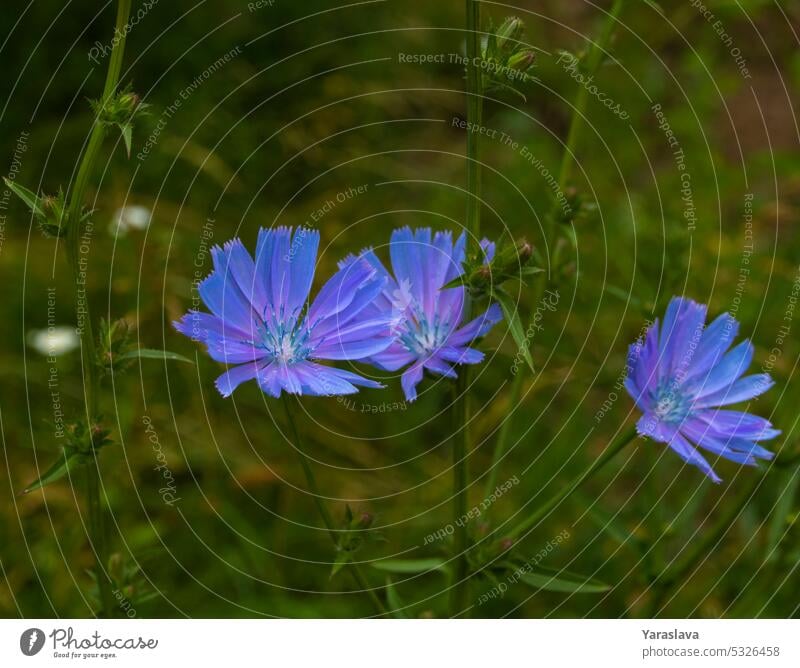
point(522, 60)
point(509, 33)
point(115, 567)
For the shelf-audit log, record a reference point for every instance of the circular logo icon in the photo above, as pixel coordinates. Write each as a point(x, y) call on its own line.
point(31, 641)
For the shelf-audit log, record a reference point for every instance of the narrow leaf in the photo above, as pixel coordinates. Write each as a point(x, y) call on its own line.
point(127, 136)
point(396, 606)
point(514, 324)
point(563, 581)
point(343, 557)
point(149, 353)
point(457, 282)
point(66, 462)
point(31, 199)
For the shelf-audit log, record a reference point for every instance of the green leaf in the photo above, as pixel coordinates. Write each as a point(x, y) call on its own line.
point(68, 461)
point(33, 201)
point(514, 324)
point(408, 566)
point(563, 581)
point(343, 557)
point(396, 606)
point(149, 353)
point(127, 136)
point(457, 282)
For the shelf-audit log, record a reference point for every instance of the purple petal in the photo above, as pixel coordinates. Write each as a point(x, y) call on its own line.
point(354, 378)
point(686, 339)
point(406, 251)
point(737, 424)
point(716, 339)
point(723, 374)
point(636, 394)
point(699, 433)
point(439, 366)
point(410, 379)
point(265, 250)
point(488, 248)
point(268, 380)
point(352, 350)
point(198, 325)
point(230, 351)
point(226, 301)
point(477, 327)
point(235, 261)
point(685, 450)
point(460, 355)
point(363, 297)
point(743, 389)
point(280, 276)
point(340, 290)
point(302, 261)
point(235, 376)
point(393, 358)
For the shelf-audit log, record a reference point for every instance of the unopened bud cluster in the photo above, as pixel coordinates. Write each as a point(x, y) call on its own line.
point(510, 59)
point(113, 342)
point(510, 262)
point(120, 110)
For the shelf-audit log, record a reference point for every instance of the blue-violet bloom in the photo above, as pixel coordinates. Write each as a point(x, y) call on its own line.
point(681, 373)
point(260, 323)
point(427, 319)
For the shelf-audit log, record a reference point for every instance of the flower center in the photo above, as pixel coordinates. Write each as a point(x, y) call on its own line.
point(285, 341)
point(671, 405)
point(421, 336)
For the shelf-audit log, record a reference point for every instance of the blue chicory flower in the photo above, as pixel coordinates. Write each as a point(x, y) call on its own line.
point(427, 319)
point(259, 320)
point(681, 373)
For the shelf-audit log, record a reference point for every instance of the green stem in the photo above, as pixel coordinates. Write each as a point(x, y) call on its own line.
point(610, 452)
point(475, 117)
point(97, 514)
point(98, 531)
point(593, 60)
point(327, 520)
point(459, 592)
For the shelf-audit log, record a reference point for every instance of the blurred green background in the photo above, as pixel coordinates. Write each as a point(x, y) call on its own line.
point(262, 115)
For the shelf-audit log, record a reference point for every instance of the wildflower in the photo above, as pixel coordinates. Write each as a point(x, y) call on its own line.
point(427, 320)
point(681, 373)
point(259, 321)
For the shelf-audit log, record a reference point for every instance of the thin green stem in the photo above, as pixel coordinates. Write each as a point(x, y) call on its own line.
point(460, 588)
point(97, 516)
point(609, 453)
point(593, 61)
point(475, 117)
point(459, 592)
point(98, 530)
point(327, 520)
